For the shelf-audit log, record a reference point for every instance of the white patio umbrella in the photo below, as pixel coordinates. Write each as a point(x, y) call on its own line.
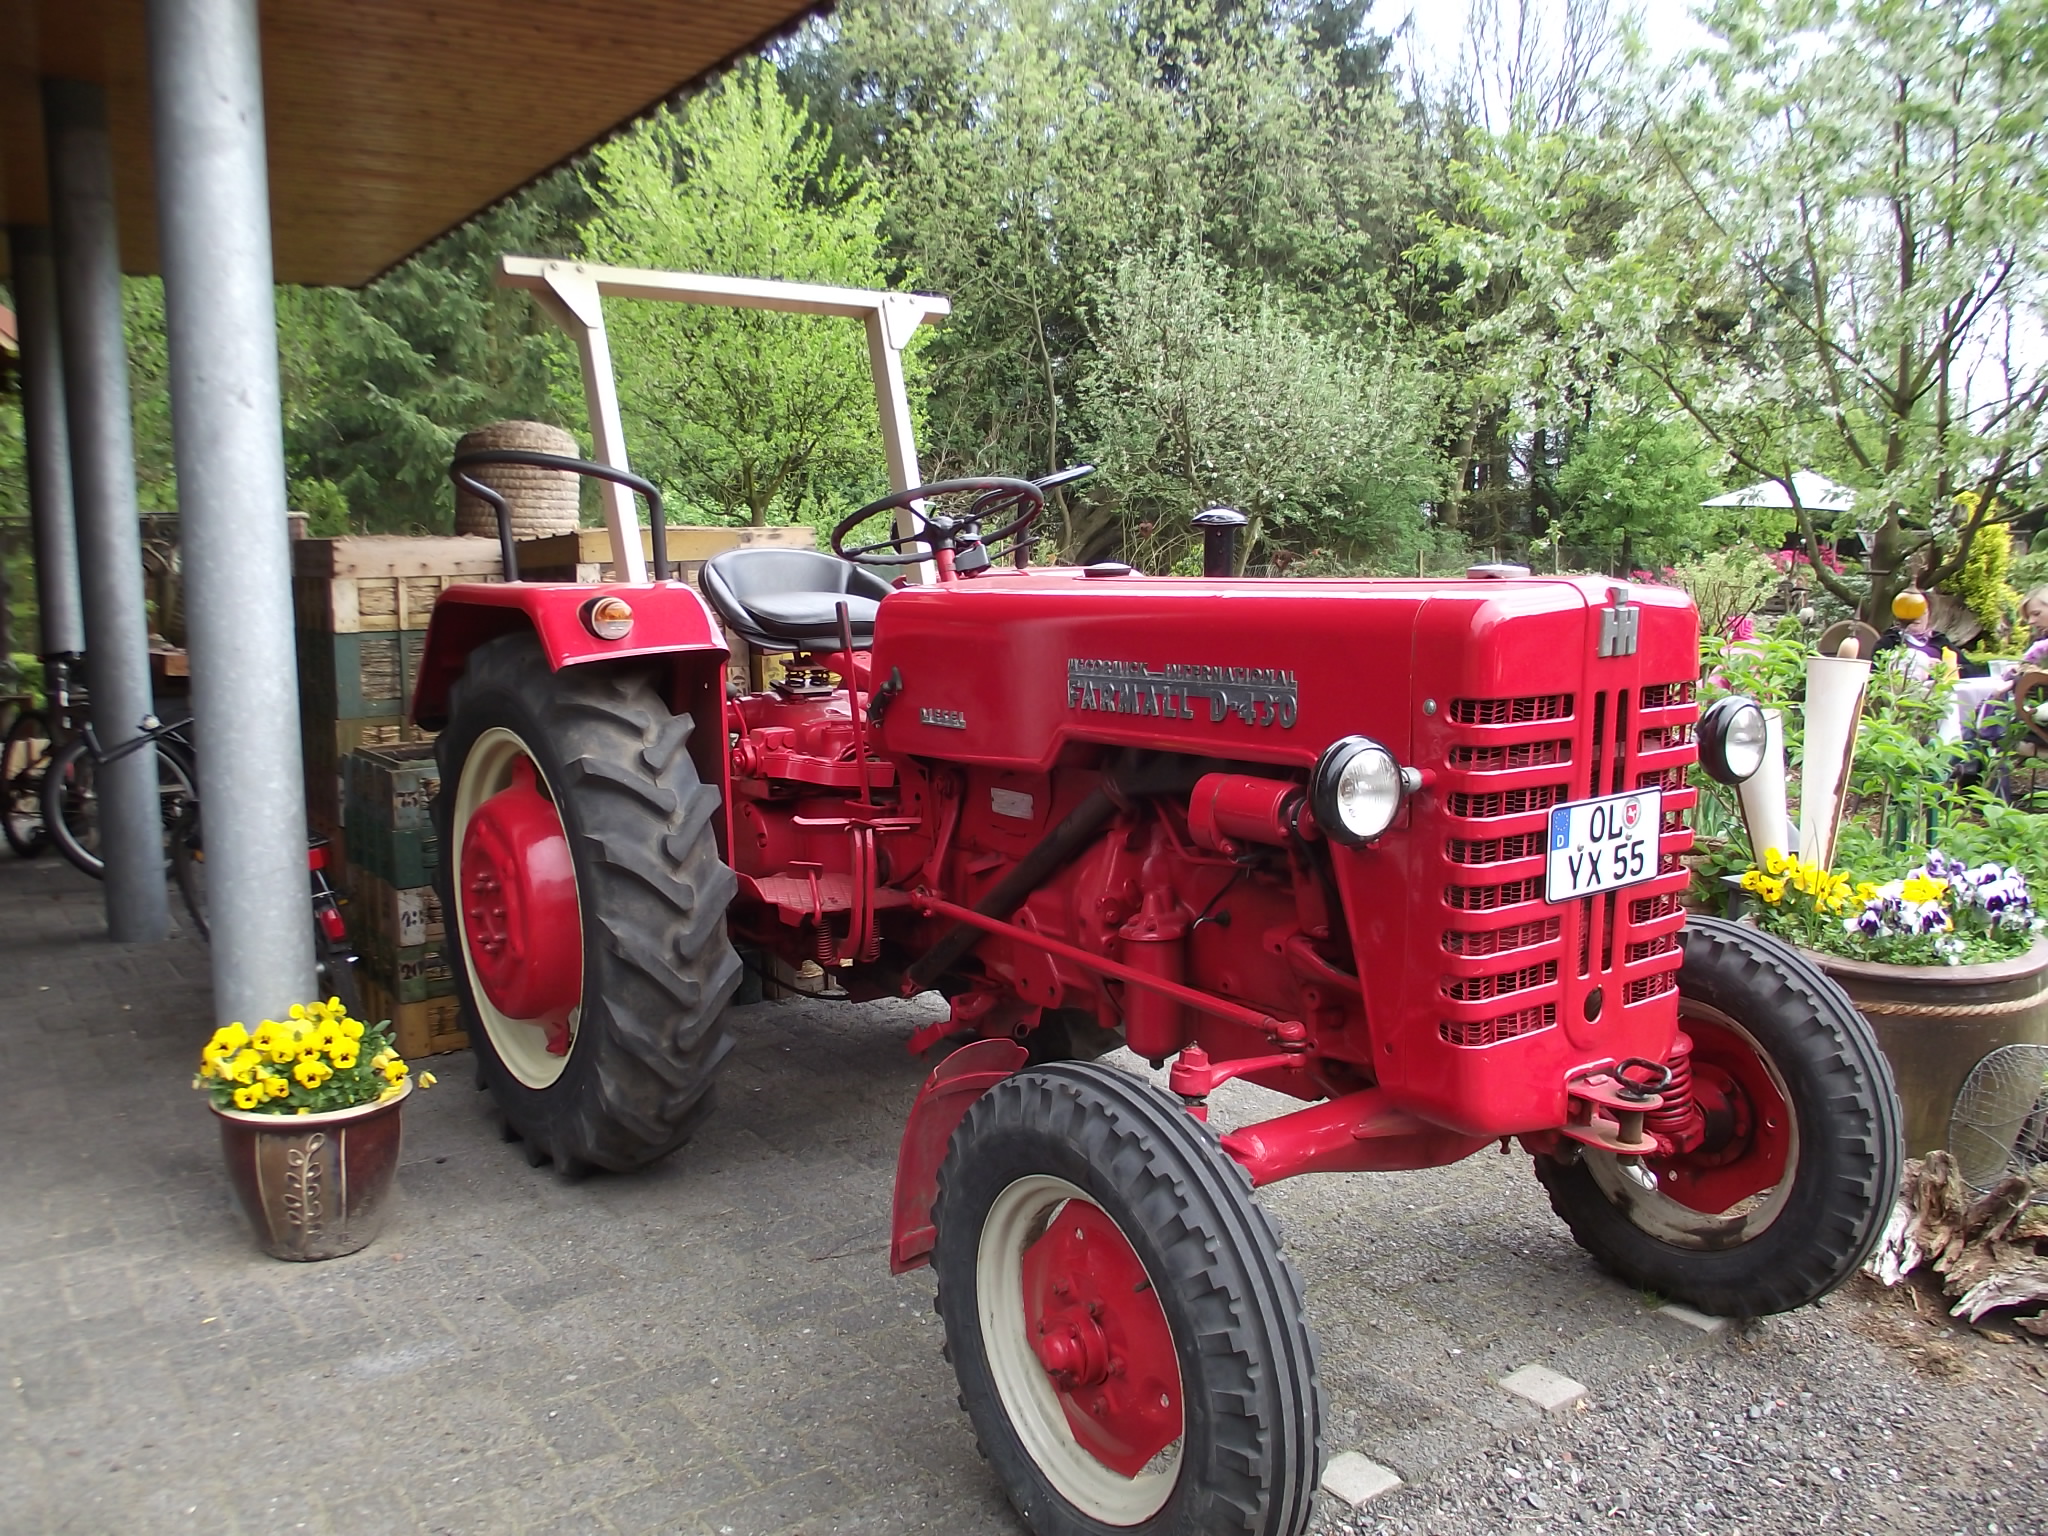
point(1817, 493)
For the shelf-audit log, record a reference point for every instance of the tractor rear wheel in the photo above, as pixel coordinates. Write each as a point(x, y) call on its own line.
point(1129, 1339)
point(582, 888)
point(1792, 1187)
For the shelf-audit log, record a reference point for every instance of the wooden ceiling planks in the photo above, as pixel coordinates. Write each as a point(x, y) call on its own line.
point(390, 121)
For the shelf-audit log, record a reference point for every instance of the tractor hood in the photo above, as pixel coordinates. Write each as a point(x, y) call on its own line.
point(1008, 670)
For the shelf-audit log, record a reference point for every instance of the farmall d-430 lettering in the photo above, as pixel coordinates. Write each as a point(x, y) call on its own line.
point(1406, 851)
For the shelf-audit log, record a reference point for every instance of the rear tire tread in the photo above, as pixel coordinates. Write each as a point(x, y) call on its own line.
point(658, 968)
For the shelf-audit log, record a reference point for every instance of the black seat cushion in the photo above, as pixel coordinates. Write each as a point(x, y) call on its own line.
point(787, 599)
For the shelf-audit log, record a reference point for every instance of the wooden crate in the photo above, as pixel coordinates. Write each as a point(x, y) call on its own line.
point(347, 605)
point(586, 555)
point(326, 742)
point(397, 917)
point(395, 555)
point(386, 794)
point(359, 676)
point(427, 1028)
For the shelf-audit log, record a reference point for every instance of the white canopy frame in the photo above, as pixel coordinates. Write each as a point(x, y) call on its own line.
point(572, 293)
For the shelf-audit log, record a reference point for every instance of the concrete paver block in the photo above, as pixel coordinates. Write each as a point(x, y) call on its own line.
point(1544, 1387)
point(1680, 1313)
point(1358, 1480)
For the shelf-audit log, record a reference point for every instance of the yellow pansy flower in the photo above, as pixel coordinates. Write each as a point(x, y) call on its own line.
point(345, 1056)
point(394, 1070)
point(1771, 890)
point(312, 1072)
point(248, 1096)
point(1774, 862)
point(297, 1011)
point(278, 1087)
point(427, 1079)
point(243, 1067)
point(353, 1028)
point(1752, 879)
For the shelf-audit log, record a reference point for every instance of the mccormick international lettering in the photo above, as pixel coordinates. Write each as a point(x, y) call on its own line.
point(1256, 695)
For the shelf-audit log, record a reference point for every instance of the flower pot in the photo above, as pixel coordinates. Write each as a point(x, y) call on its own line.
point(314, 1186)
point(1936, 1022)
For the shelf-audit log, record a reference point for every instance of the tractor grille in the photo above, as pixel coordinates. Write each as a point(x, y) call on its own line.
point(1508, 763)
point(1523, 1021)
point(1547, 706)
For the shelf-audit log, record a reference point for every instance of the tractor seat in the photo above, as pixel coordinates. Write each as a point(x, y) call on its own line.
point(787, 599)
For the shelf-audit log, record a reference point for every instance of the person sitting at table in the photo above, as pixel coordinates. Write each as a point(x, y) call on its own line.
point(1924, 650)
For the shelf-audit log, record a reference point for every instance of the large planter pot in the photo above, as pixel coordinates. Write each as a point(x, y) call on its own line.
point(1936, 1022)
point(314, 1186)
point(543, 501)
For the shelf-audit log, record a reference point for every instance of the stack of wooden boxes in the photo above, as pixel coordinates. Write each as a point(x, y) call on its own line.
point(363, 606)
point(395, 917)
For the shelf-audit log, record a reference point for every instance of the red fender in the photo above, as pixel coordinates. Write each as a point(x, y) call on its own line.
point(942, 1102)
point(668, 619)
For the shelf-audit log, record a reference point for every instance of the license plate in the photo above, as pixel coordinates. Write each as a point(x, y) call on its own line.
point(1603, 845)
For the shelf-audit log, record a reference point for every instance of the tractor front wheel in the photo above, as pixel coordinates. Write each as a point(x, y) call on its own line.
point(1130, 1342)
point(582, 889)
point(1790, 1188)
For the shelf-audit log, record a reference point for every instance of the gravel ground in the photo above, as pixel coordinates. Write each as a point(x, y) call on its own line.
point(1804, 1423)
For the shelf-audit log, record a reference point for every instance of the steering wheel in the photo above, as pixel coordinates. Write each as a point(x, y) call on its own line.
point(935, 531)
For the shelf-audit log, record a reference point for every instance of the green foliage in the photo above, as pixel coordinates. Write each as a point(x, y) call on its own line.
point(1634, 483)
point(1726, 584)
point(1982, 583)
point(1833, 233)
point(1200, 397)
point(743, 413)
point(379, 384)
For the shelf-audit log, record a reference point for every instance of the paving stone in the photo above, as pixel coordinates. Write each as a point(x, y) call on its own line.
point(1678, 1312)
point(1357, 1480)
point(1544, 1387)
point(718, 1339)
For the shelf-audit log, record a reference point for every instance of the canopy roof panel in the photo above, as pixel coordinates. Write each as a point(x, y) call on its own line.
point(390, 121)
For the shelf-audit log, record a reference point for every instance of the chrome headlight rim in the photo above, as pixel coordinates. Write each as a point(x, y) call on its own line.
point(1732, 730)
point(1327, 784)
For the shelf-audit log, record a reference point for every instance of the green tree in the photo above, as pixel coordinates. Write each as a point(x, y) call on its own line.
point(1833, 255)
point(742, 413)
point(1198, 396)
point(1634, 485)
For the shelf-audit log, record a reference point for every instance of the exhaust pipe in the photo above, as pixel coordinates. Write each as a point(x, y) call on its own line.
point(1219, 527)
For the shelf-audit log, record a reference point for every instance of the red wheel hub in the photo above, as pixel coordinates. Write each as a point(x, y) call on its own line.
point(1096, 1324)
point(1748, 1133)
point(519, 914)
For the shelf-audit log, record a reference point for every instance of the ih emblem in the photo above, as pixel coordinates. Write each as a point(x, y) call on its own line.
point(1618, 623)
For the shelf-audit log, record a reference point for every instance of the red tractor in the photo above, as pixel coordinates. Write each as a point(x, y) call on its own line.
point(1406, 851)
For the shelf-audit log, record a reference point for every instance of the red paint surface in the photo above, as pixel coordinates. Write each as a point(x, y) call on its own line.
point(1093, 1318)
point(519, 913)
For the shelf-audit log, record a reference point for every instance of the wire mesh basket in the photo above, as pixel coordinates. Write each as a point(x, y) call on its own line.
point(1999, 1125)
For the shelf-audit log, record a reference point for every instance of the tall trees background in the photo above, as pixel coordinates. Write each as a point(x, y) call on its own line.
point(1540, 305)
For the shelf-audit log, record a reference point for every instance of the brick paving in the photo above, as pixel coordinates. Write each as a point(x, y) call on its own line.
point(712, 1346)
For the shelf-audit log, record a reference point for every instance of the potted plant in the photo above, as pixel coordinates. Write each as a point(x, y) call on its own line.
point(309, 1121)
point(1946, 961)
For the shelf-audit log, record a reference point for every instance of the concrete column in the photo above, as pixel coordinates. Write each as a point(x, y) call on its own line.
point(49, 453)
point(88, 263)
point(213, 223)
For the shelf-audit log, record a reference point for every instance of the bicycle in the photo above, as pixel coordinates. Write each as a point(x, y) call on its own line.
point(334, 959)
point(25, 754)
point(70, 787)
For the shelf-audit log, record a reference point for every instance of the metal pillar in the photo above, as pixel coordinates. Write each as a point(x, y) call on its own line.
point(49, 454)
point(88, 264)
point(213, 222)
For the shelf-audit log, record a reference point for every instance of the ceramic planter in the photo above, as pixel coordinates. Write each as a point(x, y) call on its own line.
point(314, 1186)
point(1936, 1022)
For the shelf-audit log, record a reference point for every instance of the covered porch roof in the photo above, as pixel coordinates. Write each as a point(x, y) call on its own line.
point(390, 121)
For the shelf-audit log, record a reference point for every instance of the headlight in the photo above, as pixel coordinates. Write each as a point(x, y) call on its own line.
point(1732, 739)
point(1356, 790)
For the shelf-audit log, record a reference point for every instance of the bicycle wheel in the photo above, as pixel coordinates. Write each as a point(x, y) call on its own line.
point(24, 758)
point(71, 806)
